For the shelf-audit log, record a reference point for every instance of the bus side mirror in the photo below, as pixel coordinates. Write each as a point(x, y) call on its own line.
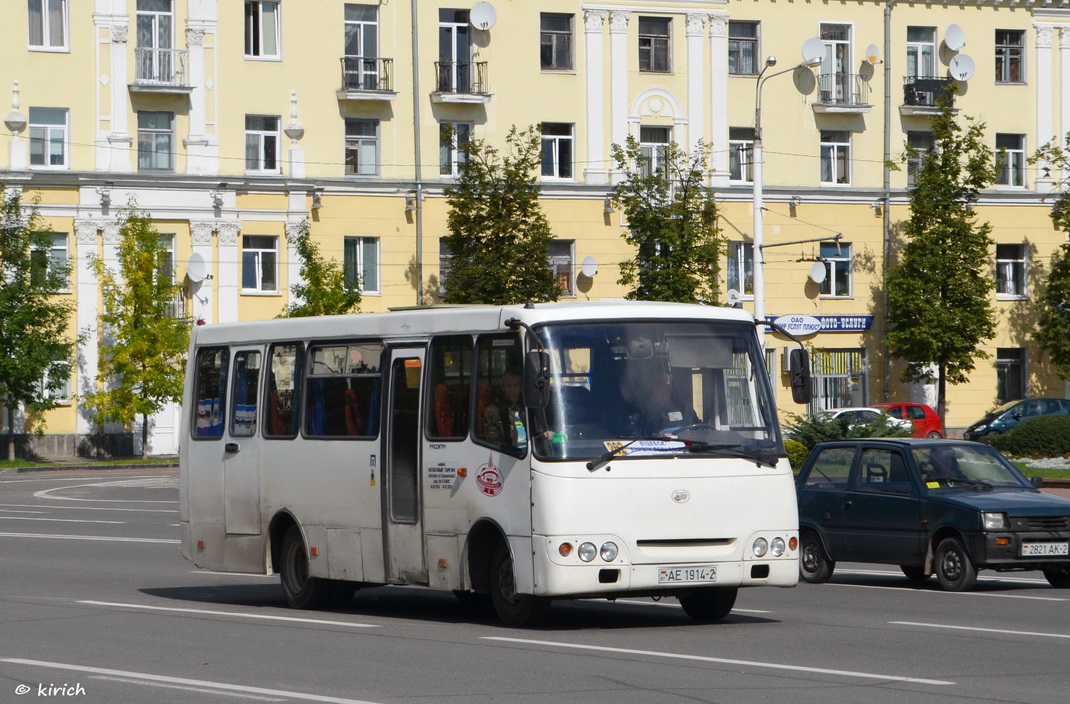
point(537, 379)
point(799, 372)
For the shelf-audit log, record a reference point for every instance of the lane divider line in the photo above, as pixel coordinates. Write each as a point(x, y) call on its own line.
point(234, 614)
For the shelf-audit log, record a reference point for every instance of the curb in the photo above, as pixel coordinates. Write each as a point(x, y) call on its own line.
point(92, 467)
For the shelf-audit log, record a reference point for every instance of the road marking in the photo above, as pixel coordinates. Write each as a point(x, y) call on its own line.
point(151, 483)
point(941, 591)
point(235, 614)
point(38, 480)
point(106, 539)
point(187, 688)
point(993, 580)
point(95, 508)
point(722, 661)
point(675, 605)
point(58, 520)
point(183, 681)
point(981, 630)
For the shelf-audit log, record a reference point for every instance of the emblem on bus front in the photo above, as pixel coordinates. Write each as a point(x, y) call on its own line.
point(681, 496)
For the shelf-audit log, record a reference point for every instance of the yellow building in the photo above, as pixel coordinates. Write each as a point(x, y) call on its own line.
point(231, 123)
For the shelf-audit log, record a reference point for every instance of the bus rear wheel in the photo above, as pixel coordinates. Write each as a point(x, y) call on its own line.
point(302, 590)
point(518, 610)
point(709, 605)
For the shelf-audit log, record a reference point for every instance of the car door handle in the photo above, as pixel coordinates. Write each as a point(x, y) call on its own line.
point(231, 447)
point(847, 504)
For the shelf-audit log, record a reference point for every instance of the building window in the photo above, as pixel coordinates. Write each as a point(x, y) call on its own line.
point(155, 141)
point(557, 150)
point(361, 263)
point(452, 136)
point(361, 47)
point(48, 138)
point(835, 156)
point(653, 142)
point(1010, 44)
point(837, 259)
point(562, 261)
point(839, 378)
point(154, 56)
point(919, 144)
point(740, 153)
point(555, 42)
point(1010, 271)
point(362, 147)
point(1010, 374)
point(52, 260)
point(456, 74)
point(743, 48)
point(740, 274)
point(654, 44)
point(262, 143)
point(921, 52)
point(836, 63)
point(56, 383)
point(259, 263)
point(1010, 159)
point(262, 30)
point(48, 25)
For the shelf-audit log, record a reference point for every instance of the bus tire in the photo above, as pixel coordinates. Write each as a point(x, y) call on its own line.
point(709, 605)
point(302, 590)
point(517, 610)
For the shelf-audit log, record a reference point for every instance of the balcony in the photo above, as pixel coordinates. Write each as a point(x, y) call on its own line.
point(176, 307)
point(367, 79)
point(922, 93)
point(160, 71)
point(842, 93)
point(457, 82)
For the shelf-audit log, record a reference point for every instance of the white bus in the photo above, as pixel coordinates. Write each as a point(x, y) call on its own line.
point(642, 457)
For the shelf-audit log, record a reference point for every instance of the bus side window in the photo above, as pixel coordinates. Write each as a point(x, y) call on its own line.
point(210, 385)
point(343, 390)
point(451, 386)
point(244, 392)
point(283, 395)
point(501, 418)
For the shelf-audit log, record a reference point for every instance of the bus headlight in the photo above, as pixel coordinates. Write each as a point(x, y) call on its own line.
point(609, 551)
point(777, 547)
point(760, 547)
point(587, 551)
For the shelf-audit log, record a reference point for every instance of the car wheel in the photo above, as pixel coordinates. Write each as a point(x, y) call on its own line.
point(814, 563)
point(934, 435)
point(513, 609)
point(1058, 577)
point(914, 573)
point(302, 591)
point(954, 568)
point(709, 605)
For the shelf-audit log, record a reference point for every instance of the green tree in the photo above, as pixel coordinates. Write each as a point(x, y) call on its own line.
point(940, 290)
point(33, 318)
point(325, 288)
point(1054, 304)
point(499, 238)
point(672, 223)
point(142, 342)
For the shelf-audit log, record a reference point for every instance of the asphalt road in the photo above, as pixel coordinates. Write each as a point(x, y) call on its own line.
point(97, 605)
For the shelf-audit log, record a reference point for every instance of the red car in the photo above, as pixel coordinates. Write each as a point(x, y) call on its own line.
point(924, 419)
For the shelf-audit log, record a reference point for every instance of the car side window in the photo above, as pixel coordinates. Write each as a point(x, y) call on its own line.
point(915, 413)
point(830, 469)
point(882, 471)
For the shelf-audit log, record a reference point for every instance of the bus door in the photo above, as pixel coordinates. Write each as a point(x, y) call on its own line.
point(241, 453)
point(403, 532)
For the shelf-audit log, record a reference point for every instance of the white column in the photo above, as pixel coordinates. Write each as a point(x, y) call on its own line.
point(1064, 86)
point(618, 76)
point(229, 271)
point(293, 262)
point(695, 81)
point(201, 292)
point(597, 166)
point(718, 30)
point(195, 142)
point(85, 234)
point(119, 139)
point(1045, 89)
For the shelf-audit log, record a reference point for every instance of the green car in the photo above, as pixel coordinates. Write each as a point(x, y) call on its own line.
point(943, 507)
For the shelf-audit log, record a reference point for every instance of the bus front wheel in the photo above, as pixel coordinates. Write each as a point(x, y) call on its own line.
point(512, 608)
point(302, 590)
point(709, 605)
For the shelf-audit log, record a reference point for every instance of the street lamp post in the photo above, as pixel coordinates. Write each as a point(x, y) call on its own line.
point(756, 179)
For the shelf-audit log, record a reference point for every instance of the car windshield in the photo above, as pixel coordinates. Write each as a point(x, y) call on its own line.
point(1004, 408)
point(965, 465)
point(656, 388)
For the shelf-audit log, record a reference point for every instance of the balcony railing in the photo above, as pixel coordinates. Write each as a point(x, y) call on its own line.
point(162, 70)
point(843, 89)
point(467, 78)
point(360, 74)
point(925, 91)
point(176, 307)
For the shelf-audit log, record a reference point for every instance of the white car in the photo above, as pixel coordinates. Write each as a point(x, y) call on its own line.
point(862, 414)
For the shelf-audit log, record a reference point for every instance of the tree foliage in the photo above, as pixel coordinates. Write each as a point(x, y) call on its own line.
point(940, 290)
point(142, 342)
point(324, 289)
point(34, 319)
point(672, 223)
point(1054, 304)
point(822, 427)
point(499, 238)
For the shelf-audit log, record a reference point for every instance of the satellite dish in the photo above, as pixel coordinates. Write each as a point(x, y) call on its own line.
point(483, 16)
point(954, 37)
point(817, 272)
point(195, 268)
point(813, 49)
point(734, 297)
point(873, 54)
point(589, 267)
point(961, 67)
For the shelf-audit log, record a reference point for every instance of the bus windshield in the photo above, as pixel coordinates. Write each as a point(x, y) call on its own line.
point(647, 387)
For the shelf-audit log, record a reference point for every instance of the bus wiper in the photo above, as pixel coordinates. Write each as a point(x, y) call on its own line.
point(597, 464)
point(731, 450)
